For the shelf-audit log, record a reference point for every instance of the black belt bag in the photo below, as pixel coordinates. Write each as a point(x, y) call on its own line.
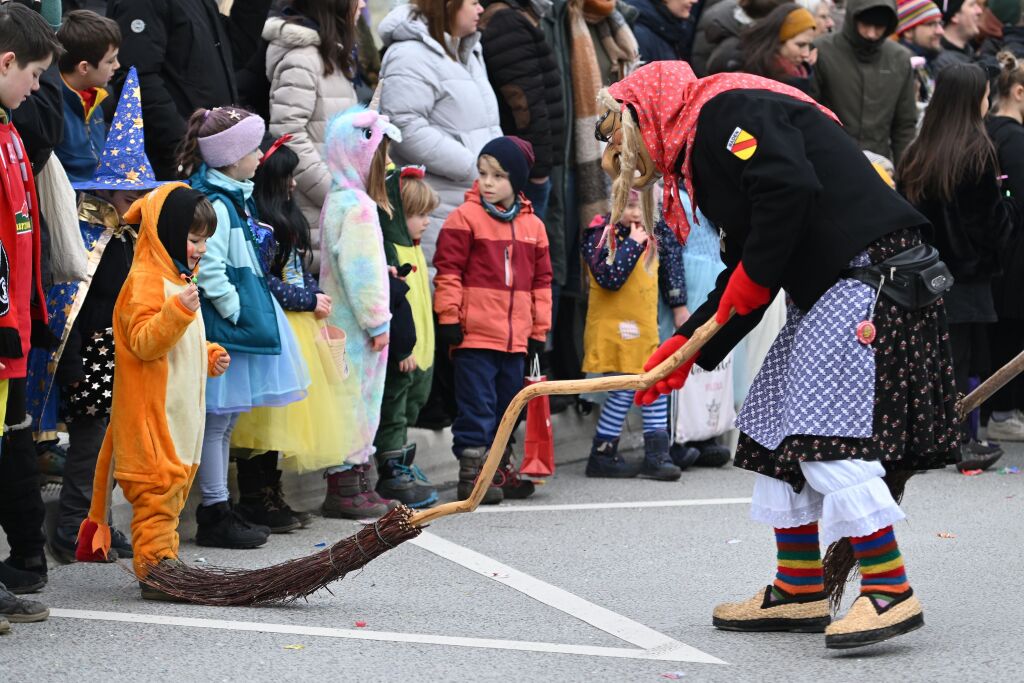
point(912, 279)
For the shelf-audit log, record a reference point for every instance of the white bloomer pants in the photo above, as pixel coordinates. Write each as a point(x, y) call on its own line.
point(846, 498)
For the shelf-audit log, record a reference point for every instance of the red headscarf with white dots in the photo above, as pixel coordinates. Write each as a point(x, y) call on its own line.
point(667, 98)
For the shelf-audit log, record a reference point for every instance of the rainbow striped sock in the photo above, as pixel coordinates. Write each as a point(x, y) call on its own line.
point(800, 571)
point(881, 564)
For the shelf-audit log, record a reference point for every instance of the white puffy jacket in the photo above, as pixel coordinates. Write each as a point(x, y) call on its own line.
point(446, 109)
point(302, 99)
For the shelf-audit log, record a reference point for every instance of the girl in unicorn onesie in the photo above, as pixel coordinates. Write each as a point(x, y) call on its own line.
point(354, 274)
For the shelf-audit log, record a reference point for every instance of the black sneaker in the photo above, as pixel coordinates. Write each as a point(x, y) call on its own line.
point(19, 581)
point(978, 455)
point(63, 546)
point(605, 461)
point(19, 610)
point(121, 544)
point(712, 453)
point(221, 527)
point(683, 455)
point(31, 565)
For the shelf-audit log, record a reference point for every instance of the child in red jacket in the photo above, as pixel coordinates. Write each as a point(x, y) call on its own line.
point(27, 46)
point(493, 302)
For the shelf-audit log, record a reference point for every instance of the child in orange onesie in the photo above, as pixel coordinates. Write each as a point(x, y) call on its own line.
point(161, 361)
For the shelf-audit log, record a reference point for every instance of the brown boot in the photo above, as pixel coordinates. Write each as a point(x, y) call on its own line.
point(470, 463)
point(350, 495)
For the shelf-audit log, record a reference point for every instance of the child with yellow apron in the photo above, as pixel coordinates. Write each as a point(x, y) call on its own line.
point(627, 272)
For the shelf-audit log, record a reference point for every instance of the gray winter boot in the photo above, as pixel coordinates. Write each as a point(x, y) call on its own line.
point(470, 463)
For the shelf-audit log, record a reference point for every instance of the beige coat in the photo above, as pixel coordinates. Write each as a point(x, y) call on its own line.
point(302, 99)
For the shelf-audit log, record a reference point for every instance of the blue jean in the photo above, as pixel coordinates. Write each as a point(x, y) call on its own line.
point(213, 468)
point(485, 383)
point(538, 194)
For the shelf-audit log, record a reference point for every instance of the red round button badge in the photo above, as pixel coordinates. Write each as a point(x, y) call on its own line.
point(866, 332)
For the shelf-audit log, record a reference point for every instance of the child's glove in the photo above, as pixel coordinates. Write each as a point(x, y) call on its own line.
point(449, 335)
point(535, 347)
point(741, 293)
point(678, 377)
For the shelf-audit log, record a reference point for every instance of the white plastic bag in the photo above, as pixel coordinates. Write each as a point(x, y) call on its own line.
point(704, 408)
point(68, 257)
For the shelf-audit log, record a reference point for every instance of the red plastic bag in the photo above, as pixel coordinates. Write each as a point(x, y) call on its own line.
point(539, 457)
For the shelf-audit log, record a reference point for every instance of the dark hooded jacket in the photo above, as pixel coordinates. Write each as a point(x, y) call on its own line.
point(185, 52)
point(660, 34)
point(1008, 137)
point(523, 71)
point(718, 24)
point(870, 86)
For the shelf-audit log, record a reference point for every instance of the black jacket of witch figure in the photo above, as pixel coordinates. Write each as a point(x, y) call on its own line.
point(796, 211)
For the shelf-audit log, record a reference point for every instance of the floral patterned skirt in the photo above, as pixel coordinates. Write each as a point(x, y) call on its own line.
point(914, 410)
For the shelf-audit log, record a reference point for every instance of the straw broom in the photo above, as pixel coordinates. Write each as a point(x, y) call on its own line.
point(300, 577)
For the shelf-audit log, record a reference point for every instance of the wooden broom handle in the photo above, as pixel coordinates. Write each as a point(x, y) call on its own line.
point(525, 395)
point(999, 379)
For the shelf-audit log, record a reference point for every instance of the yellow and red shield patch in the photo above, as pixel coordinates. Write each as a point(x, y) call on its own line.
point(742, 144)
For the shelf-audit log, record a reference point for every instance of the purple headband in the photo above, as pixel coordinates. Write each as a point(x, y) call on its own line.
point(228, 146)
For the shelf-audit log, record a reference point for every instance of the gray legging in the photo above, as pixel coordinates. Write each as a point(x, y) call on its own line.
point(213, 468)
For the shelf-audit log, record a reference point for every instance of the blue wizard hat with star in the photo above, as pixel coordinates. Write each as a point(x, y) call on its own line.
point(123, 164)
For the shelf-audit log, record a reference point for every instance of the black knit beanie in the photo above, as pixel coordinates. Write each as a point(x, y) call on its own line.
point(512, 159)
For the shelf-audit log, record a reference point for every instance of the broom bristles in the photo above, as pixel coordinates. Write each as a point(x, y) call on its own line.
point(839, 561)
point(287, 581)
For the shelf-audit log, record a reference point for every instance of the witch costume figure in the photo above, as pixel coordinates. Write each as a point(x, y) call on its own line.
point(857, 391)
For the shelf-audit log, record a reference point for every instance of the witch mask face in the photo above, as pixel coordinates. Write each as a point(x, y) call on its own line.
point(610, 129)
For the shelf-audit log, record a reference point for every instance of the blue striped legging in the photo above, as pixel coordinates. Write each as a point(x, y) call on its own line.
point(616, 407)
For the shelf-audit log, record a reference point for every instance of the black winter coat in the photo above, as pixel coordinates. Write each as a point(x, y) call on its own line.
point(805, 203)
point(527, 81)
point(972, 229)
point(40, 119)
point(1008, 137)
point(185, 52)
point(970, 233)
point(659, 34)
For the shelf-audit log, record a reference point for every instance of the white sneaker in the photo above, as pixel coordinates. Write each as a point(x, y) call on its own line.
point(1010, 429)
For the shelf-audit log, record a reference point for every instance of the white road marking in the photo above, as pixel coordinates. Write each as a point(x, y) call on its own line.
point(696, 502)
point(363, 634)
point(652, 642)
point(649, 644)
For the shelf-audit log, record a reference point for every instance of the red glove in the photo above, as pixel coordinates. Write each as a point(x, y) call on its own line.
point(741, 293)
point(674, 381)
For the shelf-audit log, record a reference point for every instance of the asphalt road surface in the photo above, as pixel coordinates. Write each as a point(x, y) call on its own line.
point(591, 580)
